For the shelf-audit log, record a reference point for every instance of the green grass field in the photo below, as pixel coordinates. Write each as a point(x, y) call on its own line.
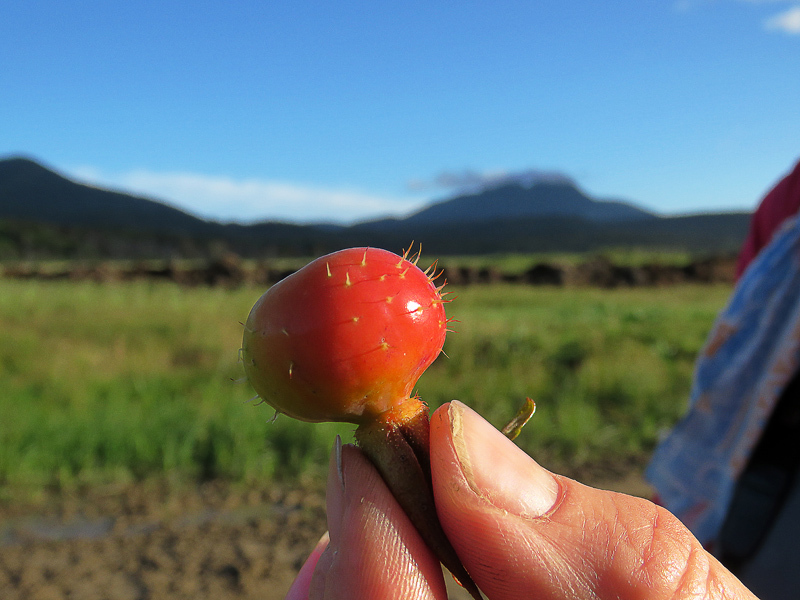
point(120, 382)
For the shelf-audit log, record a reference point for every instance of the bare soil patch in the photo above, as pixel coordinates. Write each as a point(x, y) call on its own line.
point(146, 542)
point(149, 541)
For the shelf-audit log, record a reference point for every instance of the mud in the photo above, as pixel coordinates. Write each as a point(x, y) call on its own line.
point(145, 542)
point(150, 542)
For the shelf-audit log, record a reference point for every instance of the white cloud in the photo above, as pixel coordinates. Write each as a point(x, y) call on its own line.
point(474, 180)
point(787, 21)
point(247, 200)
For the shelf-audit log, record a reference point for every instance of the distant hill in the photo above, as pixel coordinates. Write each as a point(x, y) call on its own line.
point(516, 201)
point(45, 214)
point(30, 192)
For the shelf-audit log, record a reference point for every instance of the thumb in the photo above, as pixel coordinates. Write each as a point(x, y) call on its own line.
point(522, 531)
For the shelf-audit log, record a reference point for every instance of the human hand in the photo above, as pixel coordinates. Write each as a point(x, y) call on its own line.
point(519, 530)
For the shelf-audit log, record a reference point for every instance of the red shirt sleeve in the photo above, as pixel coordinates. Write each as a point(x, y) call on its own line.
point(780, 203)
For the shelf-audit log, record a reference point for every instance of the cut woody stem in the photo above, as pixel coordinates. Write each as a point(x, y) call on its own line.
point(399, 447)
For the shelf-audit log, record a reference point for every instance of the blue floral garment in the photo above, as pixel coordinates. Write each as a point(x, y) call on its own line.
point(750, 356)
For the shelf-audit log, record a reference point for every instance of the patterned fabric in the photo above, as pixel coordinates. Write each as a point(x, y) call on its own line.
point(779, 204)
point(750, 356)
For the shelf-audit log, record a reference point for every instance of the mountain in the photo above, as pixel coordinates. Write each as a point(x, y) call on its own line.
point(515, 201)
point(30, 192)
point(43, 214)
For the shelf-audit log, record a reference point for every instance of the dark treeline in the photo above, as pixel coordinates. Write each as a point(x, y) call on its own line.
point(231, 271)
point(698, 234)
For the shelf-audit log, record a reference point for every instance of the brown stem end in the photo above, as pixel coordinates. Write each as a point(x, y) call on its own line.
point(399, 446)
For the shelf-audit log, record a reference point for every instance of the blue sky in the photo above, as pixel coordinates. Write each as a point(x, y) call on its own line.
point(347, 110)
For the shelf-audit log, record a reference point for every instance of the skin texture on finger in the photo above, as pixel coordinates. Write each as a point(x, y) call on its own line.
point(523, 532)
point(374, 550)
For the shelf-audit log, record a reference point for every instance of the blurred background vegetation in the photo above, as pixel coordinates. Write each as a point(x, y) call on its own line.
point(118, 382)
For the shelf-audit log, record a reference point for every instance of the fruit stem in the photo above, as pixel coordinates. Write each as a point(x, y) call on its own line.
point(398, 444)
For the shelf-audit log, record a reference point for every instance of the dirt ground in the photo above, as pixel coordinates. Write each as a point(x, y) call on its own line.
point(150, 542)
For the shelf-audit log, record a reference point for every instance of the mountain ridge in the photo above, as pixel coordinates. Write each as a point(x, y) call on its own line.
point(515, 200)
point(30, 191)
point(552, 216)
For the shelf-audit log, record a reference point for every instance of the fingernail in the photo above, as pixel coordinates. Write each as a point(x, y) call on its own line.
point(335, 488)
point(337, 453)
point(495, 467)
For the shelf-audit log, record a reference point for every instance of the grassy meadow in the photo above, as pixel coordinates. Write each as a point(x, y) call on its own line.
point(118, 382)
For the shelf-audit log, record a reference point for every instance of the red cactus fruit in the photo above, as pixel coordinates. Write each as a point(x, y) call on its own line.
point(346, 338)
